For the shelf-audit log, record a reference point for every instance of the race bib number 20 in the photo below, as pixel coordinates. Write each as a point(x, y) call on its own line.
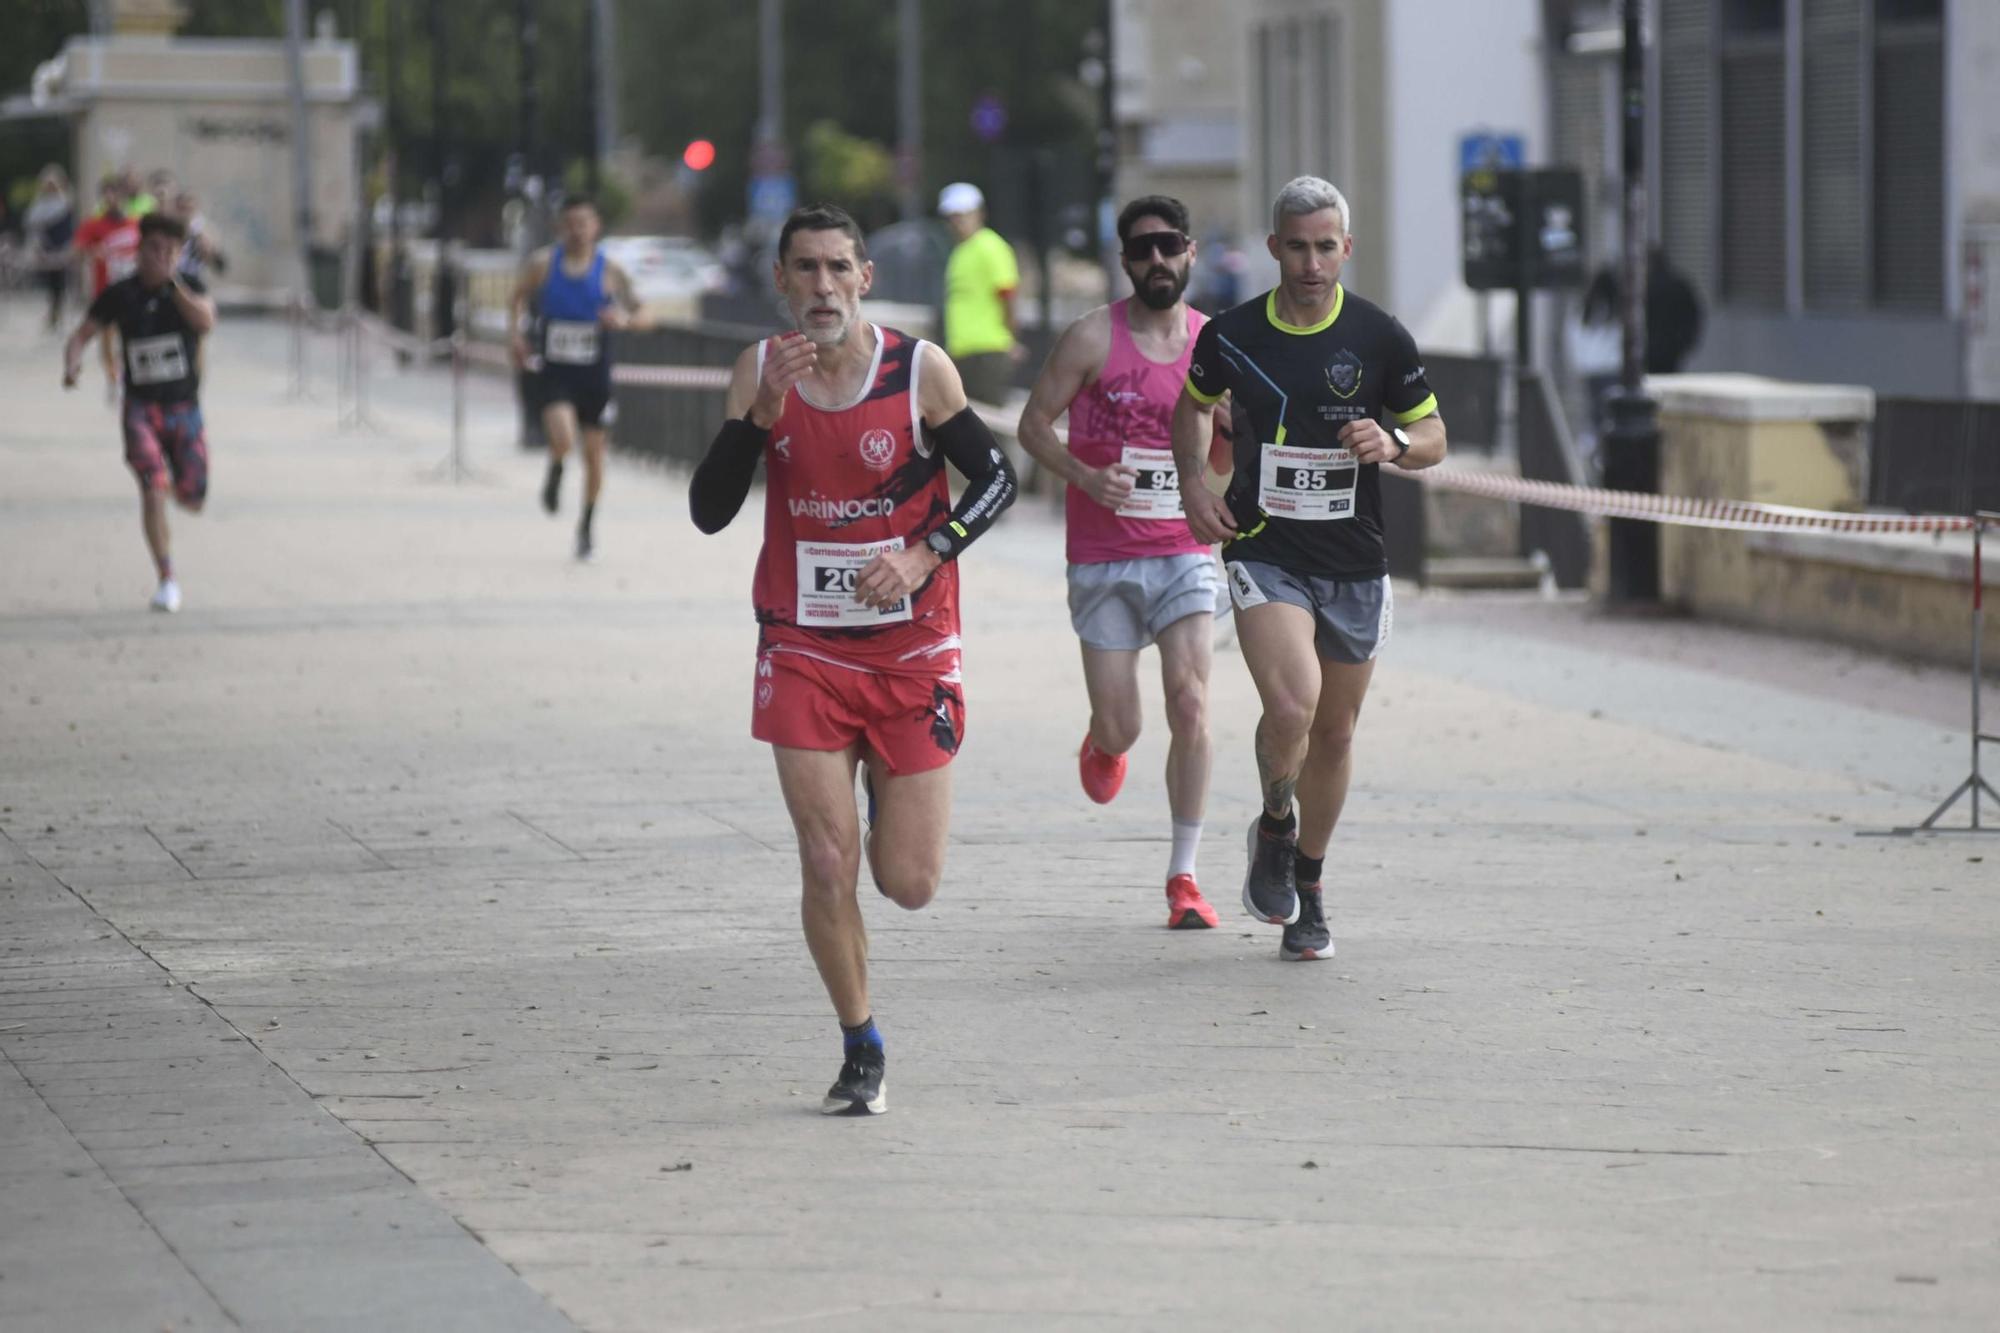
point(1311, 485)
point(827, 574)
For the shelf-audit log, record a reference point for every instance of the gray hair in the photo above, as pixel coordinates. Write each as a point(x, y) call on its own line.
point(1304, 195)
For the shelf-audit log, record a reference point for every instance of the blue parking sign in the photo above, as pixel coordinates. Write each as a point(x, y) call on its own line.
point(1484, 150)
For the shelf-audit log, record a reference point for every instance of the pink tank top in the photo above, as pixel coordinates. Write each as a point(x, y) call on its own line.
point(1127, 415)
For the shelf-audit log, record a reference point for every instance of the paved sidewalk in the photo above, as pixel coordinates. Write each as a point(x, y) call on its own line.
point(404, 936)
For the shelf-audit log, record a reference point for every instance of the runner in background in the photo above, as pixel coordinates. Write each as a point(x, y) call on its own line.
point(161, 316)
point(578, 296)
point(1137, 575)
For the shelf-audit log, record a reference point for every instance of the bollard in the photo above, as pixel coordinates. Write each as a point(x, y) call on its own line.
point(1632, 463)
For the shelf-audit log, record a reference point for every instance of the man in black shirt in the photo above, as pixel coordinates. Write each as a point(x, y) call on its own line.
point(1312, 371)
point(161, 316)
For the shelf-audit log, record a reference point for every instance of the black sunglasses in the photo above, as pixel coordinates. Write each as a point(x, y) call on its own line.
point(1168, 243)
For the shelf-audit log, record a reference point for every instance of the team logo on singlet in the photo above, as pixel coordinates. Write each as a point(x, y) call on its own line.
point(878, 449)
point(1343, 374)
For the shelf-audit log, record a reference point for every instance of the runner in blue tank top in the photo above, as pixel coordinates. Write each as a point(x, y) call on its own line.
point(579, 296)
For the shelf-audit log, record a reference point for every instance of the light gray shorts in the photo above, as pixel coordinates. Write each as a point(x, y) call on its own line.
point(1351, 619)
point(1124, 604)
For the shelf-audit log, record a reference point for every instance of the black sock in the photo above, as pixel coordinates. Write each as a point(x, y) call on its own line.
point(1279, 828)
point(861, 1034)
point(555, 472)
point(1307, 870)
point(588, 511)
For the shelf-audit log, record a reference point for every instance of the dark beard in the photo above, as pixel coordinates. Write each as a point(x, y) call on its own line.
point(1161, 298)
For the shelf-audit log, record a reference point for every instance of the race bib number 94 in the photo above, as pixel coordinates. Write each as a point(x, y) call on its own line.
point(1312, 485)
point(1156, 490)
point(827, 573)
point(571, 342)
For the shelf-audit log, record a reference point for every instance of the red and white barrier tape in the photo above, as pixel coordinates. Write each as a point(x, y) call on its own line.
point(672, 377)
point(1735, 515)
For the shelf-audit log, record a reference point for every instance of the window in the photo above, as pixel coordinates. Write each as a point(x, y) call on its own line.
point(1298, 79)
point(1908, 193)
point(1753, 154)
point(1835, 206)
point(1687, 138)
point(1850, 104)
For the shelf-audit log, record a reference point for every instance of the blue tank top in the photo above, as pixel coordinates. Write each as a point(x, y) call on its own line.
point(571, 335)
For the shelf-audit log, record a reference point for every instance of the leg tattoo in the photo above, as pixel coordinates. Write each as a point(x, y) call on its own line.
point(1278, 787)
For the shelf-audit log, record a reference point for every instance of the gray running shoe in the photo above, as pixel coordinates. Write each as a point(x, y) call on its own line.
point(1307, 938)
point(1268, 891)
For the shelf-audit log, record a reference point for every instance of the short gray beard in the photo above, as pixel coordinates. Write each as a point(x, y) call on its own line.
point(822, 337)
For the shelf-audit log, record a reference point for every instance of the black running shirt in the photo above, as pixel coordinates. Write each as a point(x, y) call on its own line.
point(1300, 500)
point(161, 361)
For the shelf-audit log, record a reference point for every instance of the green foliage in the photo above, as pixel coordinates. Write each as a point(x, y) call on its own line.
point(613, 196)
point(688, 70)
point(857, 172)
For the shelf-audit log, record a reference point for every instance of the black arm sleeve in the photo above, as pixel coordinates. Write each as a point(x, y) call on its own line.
point(971, 448)
point(723, 479)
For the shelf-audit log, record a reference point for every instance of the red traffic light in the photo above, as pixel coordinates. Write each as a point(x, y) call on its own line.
point(699, 155)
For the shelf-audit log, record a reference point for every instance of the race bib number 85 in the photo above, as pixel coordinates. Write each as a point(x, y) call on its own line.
point(827, 574)
point(1312, 485)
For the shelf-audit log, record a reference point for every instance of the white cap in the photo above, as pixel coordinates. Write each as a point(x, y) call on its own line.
point(960, 197)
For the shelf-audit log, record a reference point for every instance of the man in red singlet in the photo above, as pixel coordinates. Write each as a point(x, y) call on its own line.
point(109, 241)
point(856, 595)
point(1136, 574)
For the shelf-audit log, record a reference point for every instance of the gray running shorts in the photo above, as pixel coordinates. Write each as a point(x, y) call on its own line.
point(1124, 604)
point(1351, 619)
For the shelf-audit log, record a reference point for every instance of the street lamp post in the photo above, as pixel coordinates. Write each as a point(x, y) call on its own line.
point(1632, 444)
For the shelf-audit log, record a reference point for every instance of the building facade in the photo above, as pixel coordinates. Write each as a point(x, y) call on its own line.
point(217, 113)
point(1824, 171)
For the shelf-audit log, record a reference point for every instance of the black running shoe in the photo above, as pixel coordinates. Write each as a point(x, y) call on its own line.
point(552, 489)
point(1268, 891)
point(1307, 938)
point(858, 1090)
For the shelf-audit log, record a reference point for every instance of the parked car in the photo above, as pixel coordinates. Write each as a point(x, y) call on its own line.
point(666, 268)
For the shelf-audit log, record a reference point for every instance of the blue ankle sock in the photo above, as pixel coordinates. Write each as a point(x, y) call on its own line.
point(862, 1034)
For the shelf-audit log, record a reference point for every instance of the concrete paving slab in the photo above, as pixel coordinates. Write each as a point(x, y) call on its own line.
point(463, 968)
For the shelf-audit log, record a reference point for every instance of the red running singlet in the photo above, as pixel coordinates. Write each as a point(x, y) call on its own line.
point(842, 484)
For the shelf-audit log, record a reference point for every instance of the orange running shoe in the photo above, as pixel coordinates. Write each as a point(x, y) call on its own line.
point(1103, 774)
point(1186, 908)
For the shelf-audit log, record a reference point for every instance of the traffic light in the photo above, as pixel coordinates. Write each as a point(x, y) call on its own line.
point(699, 155)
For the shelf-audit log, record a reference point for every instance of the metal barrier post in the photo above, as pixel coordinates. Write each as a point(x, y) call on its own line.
point(298, 313)
point(1975, 782)
point(457, 405)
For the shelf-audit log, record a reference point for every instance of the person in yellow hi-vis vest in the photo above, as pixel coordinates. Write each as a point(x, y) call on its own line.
point(980, 279)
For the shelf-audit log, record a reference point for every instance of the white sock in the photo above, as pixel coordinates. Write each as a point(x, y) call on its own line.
point(1187, 837)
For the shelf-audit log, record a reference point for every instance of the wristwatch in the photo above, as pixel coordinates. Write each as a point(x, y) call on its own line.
point(940, 544)
point(1402, 439)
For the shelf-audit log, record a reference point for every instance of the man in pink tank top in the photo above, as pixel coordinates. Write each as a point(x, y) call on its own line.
point(1136, 574)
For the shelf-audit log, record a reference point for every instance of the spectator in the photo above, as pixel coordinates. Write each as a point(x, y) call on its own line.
point(50, 224)
point(980, 279)
point(1673, 311)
